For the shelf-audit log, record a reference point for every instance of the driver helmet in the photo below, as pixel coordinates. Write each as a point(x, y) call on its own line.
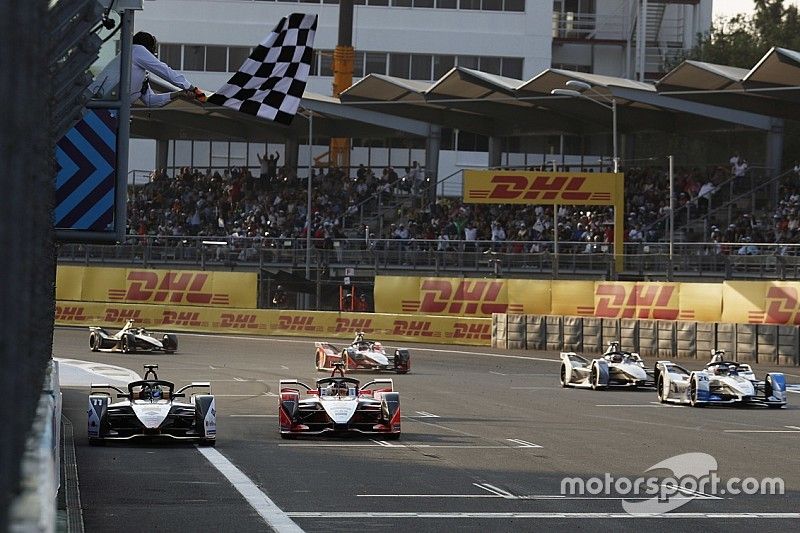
point(155, 393)
point(617, 358)
point(144, 394)
point(723, 370)
point(378, 347)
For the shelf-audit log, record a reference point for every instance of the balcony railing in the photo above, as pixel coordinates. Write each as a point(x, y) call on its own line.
point(571, 25)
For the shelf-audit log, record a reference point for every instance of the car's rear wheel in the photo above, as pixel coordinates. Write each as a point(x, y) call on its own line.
point(126, 348)
point(563, 375)
point(94, 342)
point(594, 377)
point(320, 360)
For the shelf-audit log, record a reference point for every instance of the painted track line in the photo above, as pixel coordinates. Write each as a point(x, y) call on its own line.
point(260, 502)
point(555, 515)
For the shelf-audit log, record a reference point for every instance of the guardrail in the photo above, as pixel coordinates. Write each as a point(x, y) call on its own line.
point(562, 259)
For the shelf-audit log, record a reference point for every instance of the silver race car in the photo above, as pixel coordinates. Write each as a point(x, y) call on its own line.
point(339, 405)
point(131, 339)
point(362, 354)
point(615, 368)
point(152, 408)
point(721, 382)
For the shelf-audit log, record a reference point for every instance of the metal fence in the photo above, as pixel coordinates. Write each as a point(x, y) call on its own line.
point(523, 258)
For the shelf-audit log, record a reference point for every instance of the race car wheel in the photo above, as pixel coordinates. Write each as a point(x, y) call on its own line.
point(391, 436)
point(594, 378)
point(96, 442)
point(693, 394)
point(563, 375)
point(125, 346)
point(94, 342)
point(208, 442)
point(288, 436)
point(662, 397)
point(320, 360)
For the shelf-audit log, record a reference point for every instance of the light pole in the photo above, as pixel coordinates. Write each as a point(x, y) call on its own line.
point(576, 90)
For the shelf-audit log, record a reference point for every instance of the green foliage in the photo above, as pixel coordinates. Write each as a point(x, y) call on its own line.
point(742, 40)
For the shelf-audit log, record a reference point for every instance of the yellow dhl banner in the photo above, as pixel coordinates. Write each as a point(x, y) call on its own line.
point(601, 299)
point(460, 296)
point(173, 287)
point(542, 188)
point(762, 302)
point(320, 325)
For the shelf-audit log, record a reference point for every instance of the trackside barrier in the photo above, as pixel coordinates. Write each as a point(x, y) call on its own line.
point(318, 324)
point(34, 508)
point(516, 332)
point(751, 343)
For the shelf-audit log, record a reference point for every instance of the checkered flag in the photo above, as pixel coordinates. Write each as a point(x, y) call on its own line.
point(272, 80)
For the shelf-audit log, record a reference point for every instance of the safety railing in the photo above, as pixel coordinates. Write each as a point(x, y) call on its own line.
point(371, 256)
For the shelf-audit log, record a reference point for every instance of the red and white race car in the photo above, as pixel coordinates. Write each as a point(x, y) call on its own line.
point(362, 354)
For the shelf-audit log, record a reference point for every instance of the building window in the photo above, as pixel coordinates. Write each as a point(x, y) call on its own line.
point(216, 58)
point(358, 65)
point(512, 67)
point(492, 5)
point(514, 5)
point(194, 57)
point(399, 65)
point(442, 65)
point(490, 65)
point(171, 55)
point(375, 63)
point(401, 3)
point(326, 63)
point(468, 62)
point(470, 4)
point(237, 56)
point(420, 67)
point(423, 3)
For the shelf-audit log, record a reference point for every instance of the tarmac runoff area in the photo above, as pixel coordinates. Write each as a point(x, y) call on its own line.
point(488, 438)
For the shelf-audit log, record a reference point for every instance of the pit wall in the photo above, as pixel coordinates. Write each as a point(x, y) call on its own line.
point(320, 325)
point(663, 339)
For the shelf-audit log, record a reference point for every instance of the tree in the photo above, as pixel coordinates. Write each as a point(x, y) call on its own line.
point(742, 40)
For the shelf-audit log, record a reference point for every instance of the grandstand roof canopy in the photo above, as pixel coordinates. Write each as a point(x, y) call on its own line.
point(693, 96)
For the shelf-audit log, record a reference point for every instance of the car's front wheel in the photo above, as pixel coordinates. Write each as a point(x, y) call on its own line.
point(563, 375)
point(662, 396)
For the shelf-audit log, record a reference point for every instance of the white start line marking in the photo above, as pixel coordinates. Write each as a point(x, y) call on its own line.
point(556, 516)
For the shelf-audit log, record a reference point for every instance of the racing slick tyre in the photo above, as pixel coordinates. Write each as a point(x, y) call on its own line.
point(170, 343)
point(208, 442)
point(594, 378)
point(662, 397)
point(693, 394)
point(126, 344)
point(392, 436)
point(288, 436)
point(563, 376)
point(320, 360)
point(94, 342)
point(768, 393)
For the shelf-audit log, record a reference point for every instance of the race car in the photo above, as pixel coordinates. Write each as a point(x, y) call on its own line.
point(152, 407)
point(616, 368)
point(362, 354)
point(131, 339)
point(721, 382)
point(339, 405)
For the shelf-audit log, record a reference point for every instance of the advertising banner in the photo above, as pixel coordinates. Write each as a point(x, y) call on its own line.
point(762, 302)
point(541, 188)
point(572, 298)
point(173, 287)
point(701, 302)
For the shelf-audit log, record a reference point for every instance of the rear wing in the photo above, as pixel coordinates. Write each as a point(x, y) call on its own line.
point(105, 388)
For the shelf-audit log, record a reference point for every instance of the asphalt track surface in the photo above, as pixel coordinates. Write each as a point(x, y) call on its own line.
point(487, 438)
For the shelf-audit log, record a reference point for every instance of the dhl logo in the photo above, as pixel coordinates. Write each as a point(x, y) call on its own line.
point(121, 315)
point(472, 331)
point(466, 297)
point(297, 323)
point(555, 188)
point(413, 328)
point(70, 313)
point(172, 287)
point(180, 318)
point(648, 302)
point(354, 325)
point(235, 320)
point(783, 307)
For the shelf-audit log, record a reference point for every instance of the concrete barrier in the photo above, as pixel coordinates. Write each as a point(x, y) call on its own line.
point(751, 343)
point(536, 332)
point(516, 338)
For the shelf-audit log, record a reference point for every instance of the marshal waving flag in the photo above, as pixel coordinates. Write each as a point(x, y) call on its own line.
point(273, 78)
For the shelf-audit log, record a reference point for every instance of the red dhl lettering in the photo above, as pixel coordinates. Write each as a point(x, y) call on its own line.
point(643, 302)
point(121, 315)
point(538, 187)
point(782, 306)
point(181, 318)
point(472, 331)
point(413, 328)
point(469, 297)
point(174, 287)
point(233, 320)
point(354, 325)
point(296, 323)
point(70, 313)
